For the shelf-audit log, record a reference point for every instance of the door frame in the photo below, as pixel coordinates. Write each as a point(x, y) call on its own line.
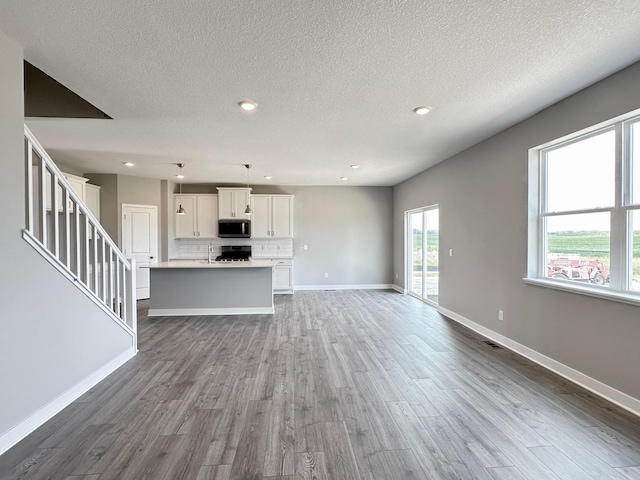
point(123, 209)
point(408, 253)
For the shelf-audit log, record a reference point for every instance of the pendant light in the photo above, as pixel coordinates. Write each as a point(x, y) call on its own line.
point(247, 211)
point(181, 211)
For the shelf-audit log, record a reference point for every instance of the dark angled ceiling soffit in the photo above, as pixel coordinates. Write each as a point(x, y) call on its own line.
point(45, 97)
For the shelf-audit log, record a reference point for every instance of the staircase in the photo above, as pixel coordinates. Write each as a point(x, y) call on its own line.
point(65, 232)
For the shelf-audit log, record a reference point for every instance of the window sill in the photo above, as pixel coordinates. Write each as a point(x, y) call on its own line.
point(598, 292)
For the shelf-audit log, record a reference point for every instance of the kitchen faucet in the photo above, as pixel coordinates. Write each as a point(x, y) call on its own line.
point(209, 252)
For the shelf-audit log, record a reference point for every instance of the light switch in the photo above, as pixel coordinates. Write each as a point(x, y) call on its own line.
point(451, 252)
point(305, 247)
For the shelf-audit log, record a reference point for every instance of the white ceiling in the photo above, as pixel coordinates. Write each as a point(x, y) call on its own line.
point(335, 80)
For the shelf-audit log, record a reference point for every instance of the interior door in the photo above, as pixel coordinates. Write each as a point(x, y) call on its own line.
point(140, 242)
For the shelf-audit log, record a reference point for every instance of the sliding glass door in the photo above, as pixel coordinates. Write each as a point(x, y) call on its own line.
point(423, 253)
point(416, 258)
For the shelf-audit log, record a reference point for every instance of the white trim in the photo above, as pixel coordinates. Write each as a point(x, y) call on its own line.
point(182, 312)
point(399, 289)
point(588, 290)
point(605, 391)
point(35, 243)
point(371, 286)
point(12, 436)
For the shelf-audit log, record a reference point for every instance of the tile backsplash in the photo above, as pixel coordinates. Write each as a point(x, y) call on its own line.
point(196, 248)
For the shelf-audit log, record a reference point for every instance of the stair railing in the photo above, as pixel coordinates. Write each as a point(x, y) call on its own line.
point(66, 233)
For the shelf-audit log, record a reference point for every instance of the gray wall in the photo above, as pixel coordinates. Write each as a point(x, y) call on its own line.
point(139, 191)
point(51, 335)
point(482, 194)
point(118, 189)
point(109, 215)
point(348, 231)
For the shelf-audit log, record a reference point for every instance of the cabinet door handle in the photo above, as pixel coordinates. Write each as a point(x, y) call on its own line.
point(198, 233)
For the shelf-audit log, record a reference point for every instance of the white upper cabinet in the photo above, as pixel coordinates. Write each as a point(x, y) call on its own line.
point(207, 216)
point(80, 188)
point(261, 218)
point(78, 184)
point(282, 216)
point(232, 202)
point(201, 216)
point(92, 199)
point(272, 216)
point(185, 224)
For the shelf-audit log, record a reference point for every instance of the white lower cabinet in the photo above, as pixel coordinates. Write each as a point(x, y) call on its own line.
point(283, 276)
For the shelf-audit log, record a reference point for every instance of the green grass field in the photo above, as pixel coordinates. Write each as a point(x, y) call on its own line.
point(593, 245)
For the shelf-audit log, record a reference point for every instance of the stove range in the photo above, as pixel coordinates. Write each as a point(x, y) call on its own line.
point(234, 253)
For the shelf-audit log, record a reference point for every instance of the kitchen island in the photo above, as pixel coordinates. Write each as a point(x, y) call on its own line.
point(181, 288)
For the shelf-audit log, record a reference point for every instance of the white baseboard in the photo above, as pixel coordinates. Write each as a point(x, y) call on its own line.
point(605, 391)
point(186, 312)
point(399, 289)
point(38, 418)
point(369, 286)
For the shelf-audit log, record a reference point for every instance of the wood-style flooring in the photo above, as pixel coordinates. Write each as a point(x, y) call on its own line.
point(335, 385)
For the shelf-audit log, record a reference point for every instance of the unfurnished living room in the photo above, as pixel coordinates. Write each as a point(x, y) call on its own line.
point(285, 240)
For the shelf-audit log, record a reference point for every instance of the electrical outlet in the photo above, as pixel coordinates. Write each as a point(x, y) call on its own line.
point(305, 247)
point(326, 274)
point(501, 315)
point(451, 252)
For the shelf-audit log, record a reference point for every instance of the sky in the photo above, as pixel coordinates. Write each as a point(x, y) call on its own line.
point(581, 175)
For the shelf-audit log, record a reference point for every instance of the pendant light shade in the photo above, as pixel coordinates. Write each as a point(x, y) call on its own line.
point(247, 211)
point(180, 211)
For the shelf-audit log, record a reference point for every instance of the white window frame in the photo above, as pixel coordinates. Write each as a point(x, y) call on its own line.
point(621, 234)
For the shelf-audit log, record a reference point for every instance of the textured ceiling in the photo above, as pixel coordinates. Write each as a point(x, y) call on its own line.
point(335, 80)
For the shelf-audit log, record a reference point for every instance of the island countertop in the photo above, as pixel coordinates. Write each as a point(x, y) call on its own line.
point(205, 264)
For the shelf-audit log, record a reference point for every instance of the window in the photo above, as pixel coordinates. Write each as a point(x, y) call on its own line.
point(584, 211)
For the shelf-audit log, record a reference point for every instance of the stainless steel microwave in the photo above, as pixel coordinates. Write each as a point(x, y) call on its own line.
point(234, 228)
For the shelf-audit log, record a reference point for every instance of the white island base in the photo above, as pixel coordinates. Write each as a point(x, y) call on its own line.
point(219, 288)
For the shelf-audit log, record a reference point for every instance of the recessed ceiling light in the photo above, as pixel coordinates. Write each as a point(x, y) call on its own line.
point(422, 110)
point(129, 164)
point(248, 105)
point(344, 178)
point(355, 166)
point(268, 177)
